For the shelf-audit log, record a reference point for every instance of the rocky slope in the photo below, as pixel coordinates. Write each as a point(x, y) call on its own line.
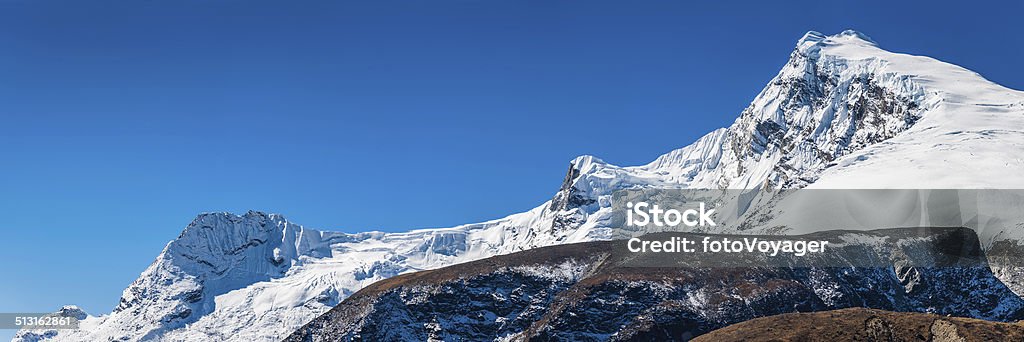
point(859, 324)
point(841, 113)
point(601, 291)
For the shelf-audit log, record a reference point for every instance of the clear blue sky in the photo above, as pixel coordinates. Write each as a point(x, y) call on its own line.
point(122, 120)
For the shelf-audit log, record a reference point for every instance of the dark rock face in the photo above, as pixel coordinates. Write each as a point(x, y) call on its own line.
point(568, 196)
point(595, 291)
point(815, 112)
point(1006, 258)
point(464, 310)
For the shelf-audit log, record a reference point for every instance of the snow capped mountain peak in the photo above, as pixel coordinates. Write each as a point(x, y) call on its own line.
point(845, 37)
point(586, 163)
point(215, 254)
point(834, 96)
point(72, 311)
point(811, 37)
point(857, 35)
point(255, 242)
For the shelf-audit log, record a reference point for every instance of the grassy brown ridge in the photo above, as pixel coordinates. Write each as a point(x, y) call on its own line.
point(860, 324)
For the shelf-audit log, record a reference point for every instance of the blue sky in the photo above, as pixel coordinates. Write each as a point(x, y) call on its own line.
point(122, 120)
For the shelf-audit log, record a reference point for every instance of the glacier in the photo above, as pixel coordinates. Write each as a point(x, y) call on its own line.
point(841, 113)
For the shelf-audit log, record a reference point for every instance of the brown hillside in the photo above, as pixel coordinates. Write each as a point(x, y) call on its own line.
point(860, 324)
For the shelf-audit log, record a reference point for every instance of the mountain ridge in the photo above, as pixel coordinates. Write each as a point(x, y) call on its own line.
point(601, 291)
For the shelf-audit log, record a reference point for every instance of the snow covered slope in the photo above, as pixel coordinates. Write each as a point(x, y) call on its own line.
point(841, 113)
